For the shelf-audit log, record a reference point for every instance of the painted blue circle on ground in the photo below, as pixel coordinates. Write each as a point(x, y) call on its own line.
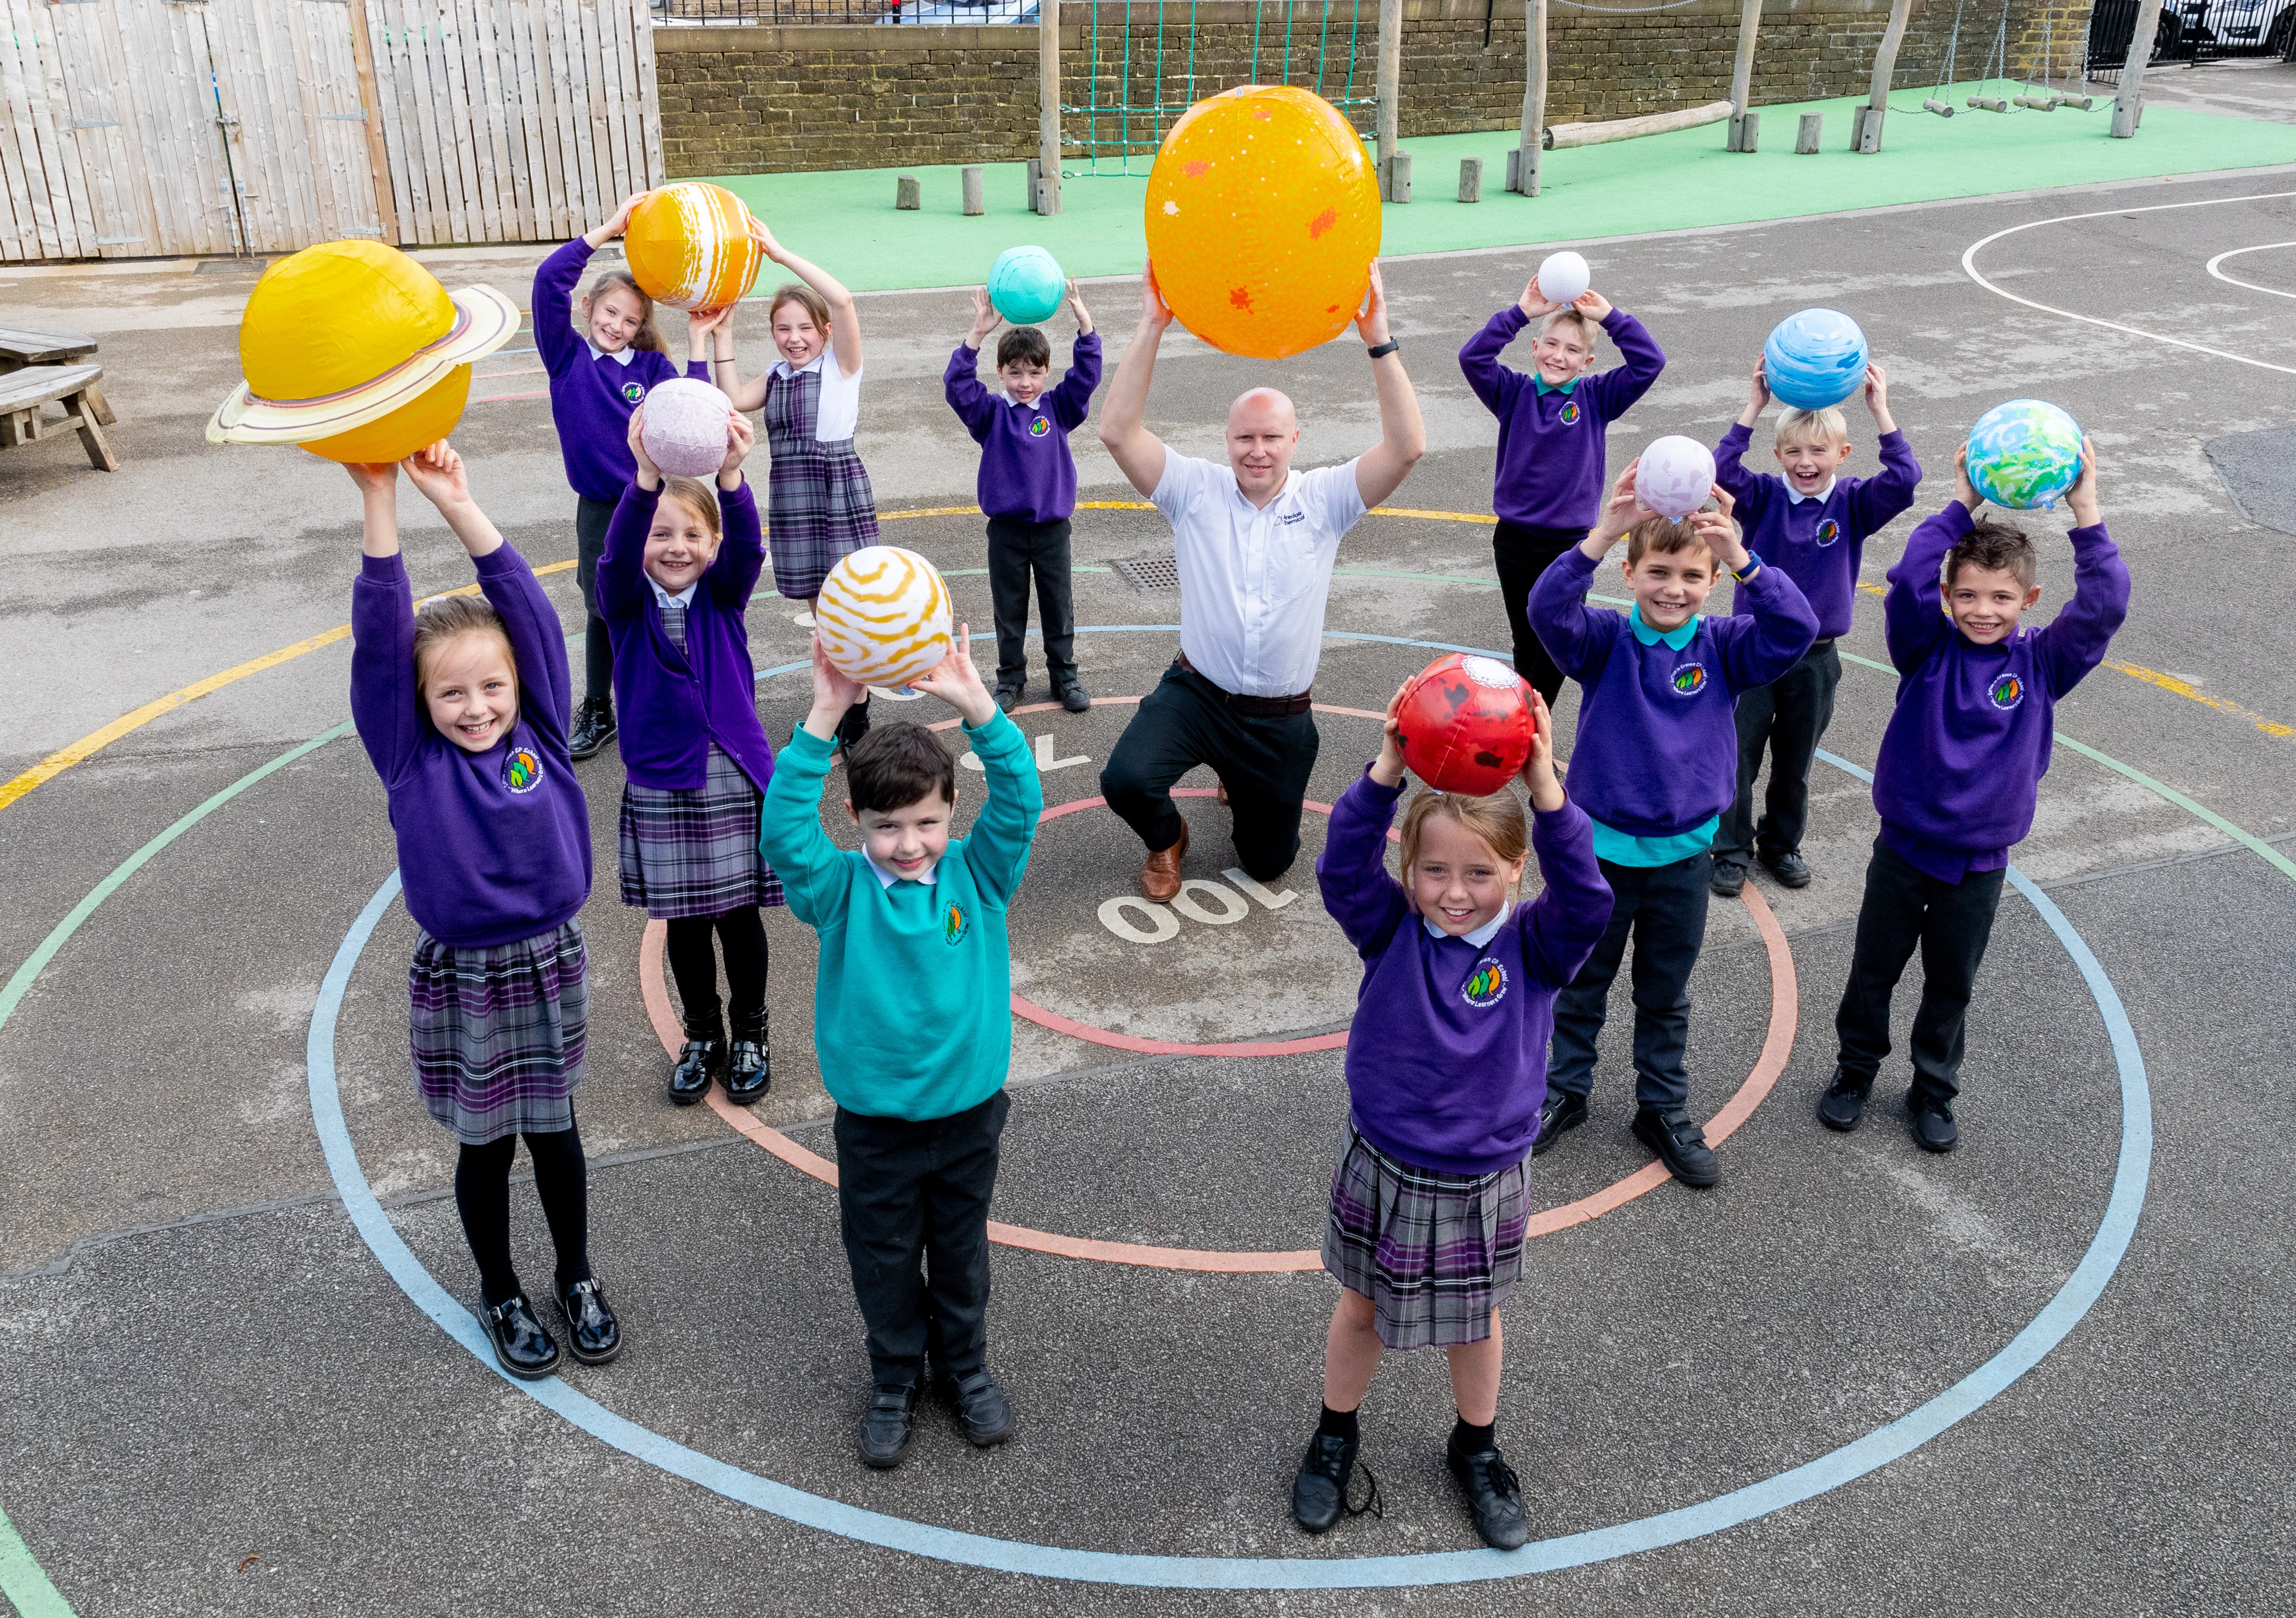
point(1827, 1472)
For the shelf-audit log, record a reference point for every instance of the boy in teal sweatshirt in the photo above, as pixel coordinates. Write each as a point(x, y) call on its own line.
point(912, 1021)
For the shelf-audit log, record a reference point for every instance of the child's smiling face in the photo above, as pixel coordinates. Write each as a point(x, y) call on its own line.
point(1459, 882)
point(1671, 586)
point(1985, 603)
point(1024, 381)
point(908, 841)
point(679, 547)
point(795, 334)
point(615, 317)
point(471, 687)
point(1561, 352)
point(1809, 463)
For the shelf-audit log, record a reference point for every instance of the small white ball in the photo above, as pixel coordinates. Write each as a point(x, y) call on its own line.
point(883, 617)
point(1564, 277)
point(1674, 477)
point(686, 426)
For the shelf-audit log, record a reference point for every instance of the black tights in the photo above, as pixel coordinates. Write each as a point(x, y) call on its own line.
point(693, 964)
point(482, 1198)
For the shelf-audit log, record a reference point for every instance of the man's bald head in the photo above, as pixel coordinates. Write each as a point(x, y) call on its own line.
point(1263, 429)
point(1264, 404)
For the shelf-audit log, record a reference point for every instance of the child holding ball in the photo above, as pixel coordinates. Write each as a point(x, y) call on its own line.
point(675, 578)
point(1447, 1069)
point(462, 708)
point(819, 505)
point(598, 374)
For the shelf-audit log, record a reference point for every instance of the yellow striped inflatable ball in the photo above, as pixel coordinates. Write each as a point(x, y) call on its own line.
point(689, 246)
point(883, 617)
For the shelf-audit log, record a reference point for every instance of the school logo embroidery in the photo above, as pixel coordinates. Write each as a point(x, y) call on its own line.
point(1828, 532)
point(2005, 692)
point(1571, 412)
point(953, 923)
point(1487, 985)
point(1039, 427)
point(634, 391)
point(521, 771)
point(1689, 680)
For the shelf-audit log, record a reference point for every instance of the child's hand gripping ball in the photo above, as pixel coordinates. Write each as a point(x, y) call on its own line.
point(882, 616)
point(1466, 724)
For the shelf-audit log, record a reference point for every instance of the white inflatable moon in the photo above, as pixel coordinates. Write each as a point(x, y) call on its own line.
point(1674, 477)
point(1562, 277)
point(684, 428)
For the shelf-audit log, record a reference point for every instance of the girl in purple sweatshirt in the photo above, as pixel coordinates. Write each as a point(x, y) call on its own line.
point(462, 708)
point(1447, 1067)
point(678, 570)
point(598, 373)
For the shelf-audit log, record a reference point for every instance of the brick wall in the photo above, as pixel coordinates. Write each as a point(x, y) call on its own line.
point(766, 99)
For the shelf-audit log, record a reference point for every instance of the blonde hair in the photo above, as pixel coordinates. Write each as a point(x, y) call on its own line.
point(1829, 425)
point(1498, 820)
point(695, 491)
point(452, 616)
point(798, 292)
point(1576, 318)
point(648, 335)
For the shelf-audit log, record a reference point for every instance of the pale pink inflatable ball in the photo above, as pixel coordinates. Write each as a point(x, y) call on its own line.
point(684, 430)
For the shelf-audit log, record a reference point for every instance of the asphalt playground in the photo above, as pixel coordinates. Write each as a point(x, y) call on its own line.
point(2046, 1373)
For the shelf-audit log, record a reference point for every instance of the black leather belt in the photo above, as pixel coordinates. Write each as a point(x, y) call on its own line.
point(1825, 645)
point(1254, 707)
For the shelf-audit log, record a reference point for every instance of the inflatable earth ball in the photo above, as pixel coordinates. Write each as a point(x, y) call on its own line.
point(2024, 453)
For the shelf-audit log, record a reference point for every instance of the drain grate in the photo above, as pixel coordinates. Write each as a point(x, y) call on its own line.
point(1147, 573)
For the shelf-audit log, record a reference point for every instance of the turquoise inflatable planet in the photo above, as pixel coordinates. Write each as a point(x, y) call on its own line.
point(1815, 359)
point(1025, 285)
point(2024, 454)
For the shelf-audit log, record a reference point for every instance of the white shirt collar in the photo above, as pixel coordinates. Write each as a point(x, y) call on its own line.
point(1481, 937)
point(622, 356)
point(1291, 482)
point(886, 879)
point(1035, 404)
point(1820, 496)
point(784, 367)
point(684, 597)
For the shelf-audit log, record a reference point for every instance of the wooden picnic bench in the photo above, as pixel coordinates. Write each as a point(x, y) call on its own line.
point(27, 390)
point(19, 347)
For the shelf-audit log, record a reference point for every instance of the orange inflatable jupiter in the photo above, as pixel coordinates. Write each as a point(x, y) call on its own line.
point(689, 246)
point(1263, 219)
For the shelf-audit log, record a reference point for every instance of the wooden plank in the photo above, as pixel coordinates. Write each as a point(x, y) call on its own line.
point(1562, 136)
point(410, 206)
point(573, 89)
point(247, 128)
point(610, 180)
point(381, 181)
point(501, 177)
point(44, 384)
point(169, 200)
point(537, 116)
point(630, 102)
point(275, 142)
point(610, 17)
point(416, 27)
point(550, 34)
point(46, 212)
point(312, 89)
point(524, 128)
point(73, 216)
point(650, 93)
point(21, 176)
point(465, 101)
point(454, 119)
point(200, 138)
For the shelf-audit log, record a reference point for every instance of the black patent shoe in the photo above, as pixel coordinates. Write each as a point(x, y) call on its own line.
point(522, 1347)
point(1931, 1123)
point(982, 1410)
point(1075, 699)
point(1680, 1145)
point(591, 1332)
point(1842, 1107)
point(1494, 1496)
point(697, 1061)
point(749, 1072)
point(887, 1425)
point(1560, 1111)
point(1319, 1492)
point(594, 727)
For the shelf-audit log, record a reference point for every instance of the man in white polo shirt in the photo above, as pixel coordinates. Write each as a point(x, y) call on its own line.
point(1255, 542)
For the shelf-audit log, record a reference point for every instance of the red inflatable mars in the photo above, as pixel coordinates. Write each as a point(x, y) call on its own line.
point(1466, 724)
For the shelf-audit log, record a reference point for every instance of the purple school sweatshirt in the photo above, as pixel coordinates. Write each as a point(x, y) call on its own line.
point(591, 399)
point(1027, 473)
point(675, 704)
point(1818, 543)
point(1550, 465)
point(1657, 753)
point(1969, 741)
point(493, 846)
point(1446, 1058)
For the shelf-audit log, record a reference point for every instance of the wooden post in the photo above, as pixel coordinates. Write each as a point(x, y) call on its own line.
point(1525, 162)
point(1812, 131)
point(1044, 189)
point(1470, 179)
point(907, 192)
point(968, 181)
point(378, 155)
point(1744, 128)
point(1390, 93)
point(2128, 106)
point(1398, 177)
point(1865, 122)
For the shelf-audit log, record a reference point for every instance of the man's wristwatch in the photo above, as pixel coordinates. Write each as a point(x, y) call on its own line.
point(1383, 350)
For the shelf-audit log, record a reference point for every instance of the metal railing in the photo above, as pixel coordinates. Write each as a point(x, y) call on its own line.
point(2191, 31)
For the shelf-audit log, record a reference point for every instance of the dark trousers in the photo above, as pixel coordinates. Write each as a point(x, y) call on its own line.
point(693, 965)
point(913, 1201)
point(482, 1198)
point(1264, 762)
point(1522, 554)
point(1016, 550)
point(1664, 907)
point(1951, 921)
point(1787, 717)
point(590, 519)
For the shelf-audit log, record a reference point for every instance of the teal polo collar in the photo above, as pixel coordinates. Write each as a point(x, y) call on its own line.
point(1545, 386)
point(1675, 639)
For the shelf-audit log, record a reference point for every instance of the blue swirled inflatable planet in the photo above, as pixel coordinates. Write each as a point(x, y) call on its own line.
point(2024, 454)
point(1814, 359)
point(1025, 285)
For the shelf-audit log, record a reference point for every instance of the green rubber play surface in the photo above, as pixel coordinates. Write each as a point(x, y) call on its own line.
point(847, 221)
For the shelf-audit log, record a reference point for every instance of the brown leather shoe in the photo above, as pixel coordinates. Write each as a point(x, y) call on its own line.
point(1159, 877)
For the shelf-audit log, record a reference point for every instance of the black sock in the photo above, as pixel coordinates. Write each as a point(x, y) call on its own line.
point(1469, 1439)
point(1336, 1424)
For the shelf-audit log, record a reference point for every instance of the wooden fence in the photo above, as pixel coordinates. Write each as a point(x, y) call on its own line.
point(130, 128)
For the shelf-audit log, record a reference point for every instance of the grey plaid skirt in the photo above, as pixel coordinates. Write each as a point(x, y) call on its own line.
point(819, 506)
point(1435, 1253)
point(694, 851)
point(498, 1033)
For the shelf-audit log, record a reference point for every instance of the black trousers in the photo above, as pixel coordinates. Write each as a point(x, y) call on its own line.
point(1522, 554)
point(913, 1201)
point(1787, 717)
point(1951, 921)
point(590, 519)
point(482, 1198)
point(1265, 763)
point(1016, 550)
point(694, 966)
point(1664, 908)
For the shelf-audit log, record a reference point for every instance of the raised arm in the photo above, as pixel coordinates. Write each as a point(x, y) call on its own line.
point(1358, 893)
point(2075, 643)
point(733, 577)
point(621, 565)
point(844, 319)
point(1641, 359)
point(385, 705)
point(1138, 453)
point(1913, 612)
point(1380, 470)
point(1072, 401)
point(1879, 500)
point(1562, 927)
point(961, 384)
point(814, 873)
point(1479, 360)
point(554, 336)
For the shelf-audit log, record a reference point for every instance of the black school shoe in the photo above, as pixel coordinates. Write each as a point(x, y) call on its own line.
point(1790, 868)
point(749, 1070)
point(888, 1423)
point(1560, 1111)
point(594, 727)
point(1074, 698)
point(522, 1347)
point(1319, 1493)
point(1007, 698)
point(592, 1331)
point(982, 1410)
point(1680, 1145)
point(1842, 1107)
point(1728, 880)
point(697, 1061)
point(1930, 1120)
point(1494, 1496)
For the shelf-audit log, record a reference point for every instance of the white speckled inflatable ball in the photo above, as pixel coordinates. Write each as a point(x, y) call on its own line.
point(684, 428)
point(1675, 476)
point(884, 615)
